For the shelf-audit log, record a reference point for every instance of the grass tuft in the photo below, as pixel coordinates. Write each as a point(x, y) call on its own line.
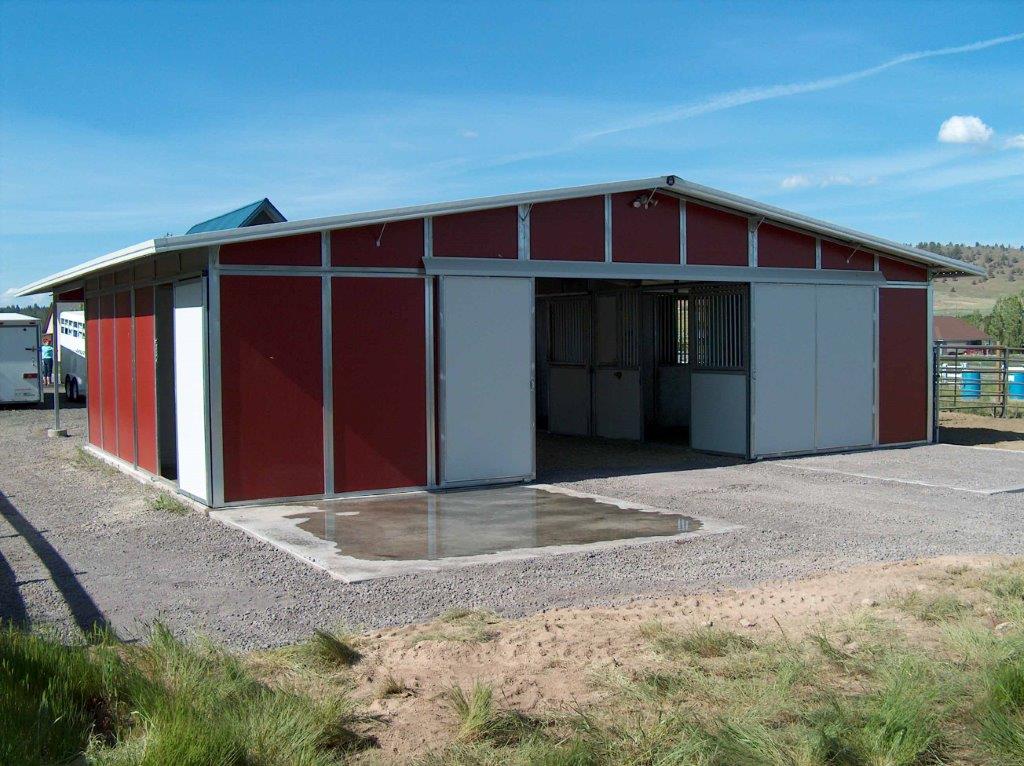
point(472, 626)
point(481, 720)
point(165, 503)
point(701, 642)
point(931, 608)
point(1000, 712)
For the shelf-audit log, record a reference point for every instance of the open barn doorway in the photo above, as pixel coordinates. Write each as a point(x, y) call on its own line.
point(634, 375)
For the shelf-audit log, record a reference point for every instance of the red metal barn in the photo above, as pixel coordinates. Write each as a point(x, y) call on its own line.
point(427, 346)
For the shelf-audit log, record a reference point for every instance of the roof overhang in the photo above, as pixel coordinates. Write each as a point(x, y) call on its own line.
point(673, 185)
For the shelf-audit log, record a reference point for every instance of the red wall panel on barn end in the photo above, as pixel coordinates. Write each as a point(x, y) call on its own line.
point(298, 250)
point(716, 238)
point(398, 244)
point(108, 405)
point(94, 396)
point(898, 271)
point(145, 378)
point(481, 234)
point(784, 248)
point(271, 386)
point(379, 357)
point(567, 230)
point(645, 236)
point(125, 387)
point(835, 256)
point(902, 365)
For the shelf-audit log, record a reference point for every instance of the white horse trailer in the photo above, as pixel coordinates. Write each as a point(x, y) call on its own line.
point(71, 355)
point(19, 360)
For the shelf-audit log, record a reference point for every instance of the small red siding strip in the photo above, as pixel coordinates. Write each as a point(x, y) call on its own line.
point(482, 234)
point(898, 271)
point(272, 387)
point(298, 250)
point(72, 295)
point(569, 230)
point(125, 390)
point(645, 235)
point(94, 396)
point(716, 238)
point(835, 256)
point(398, 244)
point(784, 248)
point(145, 378)
point(902, 365)
point(107, 377)
point(380, 419)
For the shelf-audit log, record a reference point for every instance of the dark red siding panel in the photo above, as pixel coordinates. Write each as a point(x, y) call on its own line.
point(645, 236)
point(94, 395)
point(125, 389)
point(481, 234)
point(568, 230)
point(835, 256)
point(380, 416)
point(72, 295)
point(145, 378)
point(898, 271)
point(272, 387)
point(902, 365)
point(108, 411)
point(784, 248)
point(398, 244)
point(716, 238)
point(299, 250)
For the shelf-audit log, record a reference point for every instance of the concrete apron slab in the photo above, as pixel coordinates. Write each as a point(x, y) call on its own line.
point(355, 539)
point(942, 466)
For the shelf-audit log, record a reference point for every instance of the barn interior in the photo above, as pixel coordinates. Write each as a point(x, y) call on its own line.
point(633, 373)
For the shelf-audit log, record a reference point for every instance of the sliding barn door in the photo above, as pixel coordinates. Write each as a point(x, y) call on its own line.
point(190, 388)
point(486, 337)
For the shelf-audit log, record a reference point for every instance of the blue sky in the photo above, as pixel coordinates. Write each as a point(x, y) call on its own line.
point(121, 122)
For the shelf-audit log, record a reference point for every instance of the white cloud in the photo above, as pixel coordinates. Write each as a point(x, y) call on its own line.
point(469, 134)
point(795, 182)
point(1015, 142)
point(8, 294)
point(964, 129)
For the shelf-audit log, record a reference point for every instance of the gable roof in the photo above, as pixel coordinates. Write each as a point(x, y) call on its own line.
point(671, 185)
point(955, 328)
point(254, 214)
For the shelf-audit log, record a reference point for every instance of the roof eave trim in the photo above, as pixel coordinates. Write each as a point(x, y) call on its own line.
point(140, 250)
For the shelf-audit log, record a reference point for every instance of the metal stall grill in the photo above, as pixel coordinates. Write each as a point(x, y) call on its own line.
point(672, 322)
point(569, 330)
point(719, 318)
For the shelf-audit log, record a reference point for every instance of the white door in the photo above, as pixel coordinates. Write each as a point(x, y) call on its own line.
point(486, 336)
point(190, 388)
point(845, 366)
point(19, 363)
point(783, 374)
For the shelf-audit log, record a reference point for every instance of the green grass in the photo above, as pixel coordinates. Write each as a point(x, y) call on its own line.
point(931, 607)
point(166, 702)
point(472, 626)
point(165, 503)
point(701, 642)
point(481, 720)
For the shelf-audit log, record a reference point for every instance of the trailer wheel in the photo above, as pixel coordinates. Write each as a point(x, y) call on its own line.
point(71, 389)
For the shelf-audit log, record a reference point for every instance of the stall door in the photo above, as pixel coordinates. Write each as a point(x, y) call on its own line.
point(783, 376)
point(190, 388)
point(486, 336)
point(845, 361)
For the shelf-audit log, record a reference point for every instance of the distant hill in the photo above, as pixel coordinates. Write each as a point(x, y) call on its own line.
point(1005, 266)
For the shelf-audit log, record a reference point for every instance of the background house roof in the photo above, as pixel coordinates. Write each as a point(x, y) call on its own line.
point(956, 329)
point(254, 214)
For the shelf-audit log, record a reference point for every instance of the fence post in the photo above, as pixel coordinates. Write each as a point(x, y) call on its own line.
point(1004, 378)
point(935, 392)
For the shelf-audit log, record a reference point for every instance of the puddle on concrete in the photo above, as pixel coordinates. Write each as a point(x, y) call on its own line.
point(428, 526)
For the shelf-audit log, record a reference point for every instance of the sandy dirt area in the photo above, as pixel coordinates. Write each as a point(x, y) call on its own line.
point(981, 430)
point(548, 663)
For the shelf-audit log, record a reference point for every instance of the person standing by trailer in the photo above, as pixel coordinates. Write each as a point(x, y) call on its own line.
point(46, 355)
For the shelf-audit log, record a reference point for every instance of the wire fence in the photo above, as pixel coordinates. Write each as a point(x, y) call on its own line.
point(985, 380)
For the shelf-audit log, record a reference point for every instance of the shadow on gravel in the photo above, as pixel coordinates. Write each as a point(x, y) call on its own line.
point(83, 609)
point(971, 437)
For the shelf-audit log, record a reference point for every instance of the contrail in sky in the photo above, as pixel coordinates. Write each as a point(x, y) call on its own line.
point(743, 96)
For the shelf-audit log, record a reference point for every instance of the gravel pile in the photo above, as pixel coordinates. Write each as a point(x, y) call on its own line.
point(79, 544)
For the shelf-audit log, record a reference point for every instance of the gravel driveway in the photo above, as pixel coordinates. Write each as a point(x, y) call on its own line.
point(79, 544)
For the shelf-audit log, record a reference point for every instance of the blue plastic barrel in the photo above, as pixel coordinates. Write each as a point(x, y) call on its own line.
point(1017, 386)
point(971, 386)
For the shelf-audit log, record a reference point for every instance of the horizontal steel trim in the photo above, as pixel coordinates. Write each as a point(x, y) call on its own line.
point(647, 271)
point(323, 496)
point(319, 271)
